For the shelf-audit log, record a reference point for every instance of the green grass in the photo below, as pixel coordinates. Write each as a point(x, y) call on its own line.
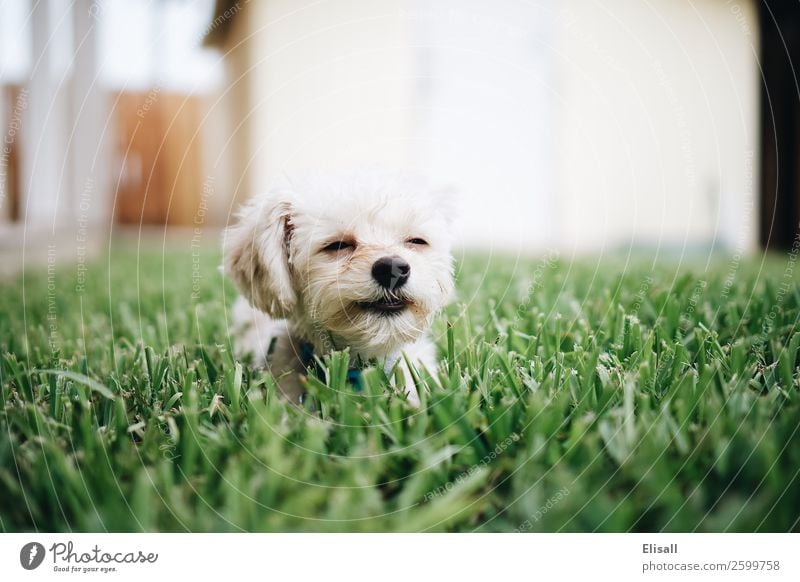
point(571, 398)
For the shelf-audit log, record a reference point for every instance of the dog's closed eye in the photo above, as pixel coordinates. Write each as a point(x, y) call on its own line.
point(417, 241)
point(339, 245)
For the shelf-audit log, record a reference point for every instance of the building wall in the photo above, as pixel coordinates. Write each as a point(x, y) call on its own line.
point(585, 126)
point(659, 123)
point(331, 84)
point(486, 105)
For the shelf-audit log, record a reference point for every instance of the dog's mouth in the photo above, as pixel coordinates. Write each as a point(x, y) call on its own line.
point(386, 306)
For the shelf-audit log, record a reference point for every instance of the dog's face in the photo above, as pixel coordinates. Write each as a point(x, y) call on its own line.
point(366, 258)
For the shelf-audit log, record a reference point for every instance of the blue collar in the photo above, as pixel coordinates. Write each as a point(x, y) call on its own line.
point(354, 376)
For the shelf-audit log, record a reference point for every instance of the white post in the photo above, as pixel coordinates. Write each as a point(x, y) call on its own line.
point(90, 123)
point(39, 140)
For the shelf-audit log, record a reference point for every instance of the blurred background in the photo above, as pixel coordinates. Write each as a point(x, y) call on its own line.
point(578, 125)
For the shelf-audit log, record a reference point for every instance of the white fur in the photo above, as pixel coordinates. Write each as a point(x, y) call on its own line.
point(294, 292)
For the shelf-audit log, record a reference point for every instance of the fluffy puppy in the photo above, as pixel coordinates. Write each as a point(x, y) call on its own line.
point(326, 262)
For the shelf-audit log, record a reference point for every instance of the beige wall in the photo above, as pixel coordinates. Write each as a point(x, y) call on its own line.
point(330, 85)
point(625, 123)
point(659, 123)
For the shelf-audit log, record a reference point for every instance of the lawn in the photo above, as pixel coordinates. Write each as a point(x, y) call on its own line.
point(618, 396)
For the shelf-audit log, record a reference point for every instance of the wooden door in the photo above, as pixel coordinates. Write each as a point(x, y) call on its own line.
point(13, 101)
point(159, 158)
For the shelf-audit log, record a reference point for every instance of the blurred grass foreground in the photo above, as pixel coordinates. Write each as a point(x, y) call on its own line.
point(570, 398)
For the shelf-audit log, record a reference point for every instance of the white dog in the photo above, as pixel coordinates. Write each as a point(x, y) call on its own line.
point(329, 262)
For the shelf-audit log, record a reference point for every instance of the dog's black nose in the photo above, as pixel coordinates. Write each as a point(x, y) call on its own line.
point(391, 272)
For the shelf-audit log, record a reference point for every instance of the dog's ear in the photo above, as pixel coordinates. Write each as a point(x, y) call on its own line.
point(256, 253)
